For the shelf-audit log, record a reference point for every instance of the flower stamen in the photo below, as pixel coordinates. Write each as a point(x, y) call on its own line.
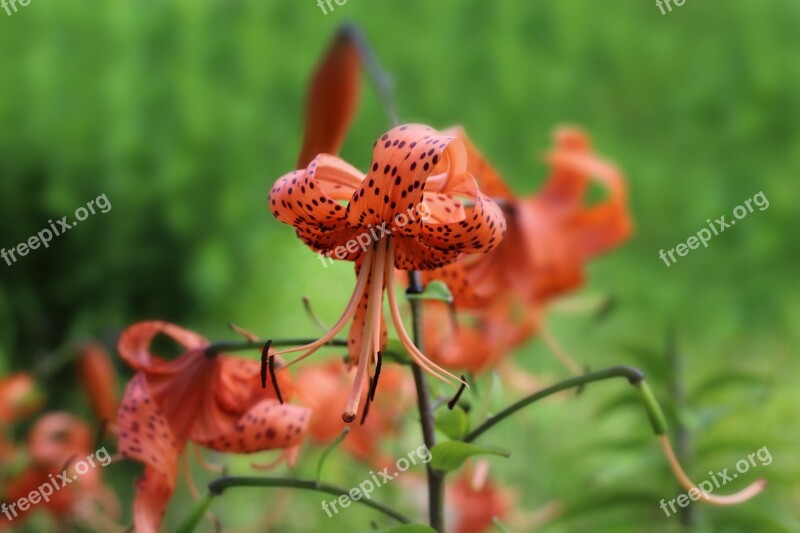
point(374, 308)
point(348, 313)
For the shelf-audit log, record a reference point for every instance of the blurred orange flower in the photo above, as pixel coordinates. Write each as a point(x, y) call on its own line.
point(19, 397)
point(213, 400)
point(55, 442)
point(550, 238)
point(323, 388)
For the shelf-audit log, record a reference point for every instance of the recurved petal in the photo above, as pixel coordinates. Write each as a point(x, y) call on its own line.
point(567, 184)
point(144, 434)
point(134, 343)
point(309, 200)
point(608, 223)
point(488, 178)
point(402, 161)
point(481, 230)
point(412, 253)
point(266, 426)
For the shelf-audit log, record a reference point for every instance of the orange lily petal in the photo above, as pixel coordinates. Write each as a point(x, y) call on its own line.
point(134, 343)
point(265, 426)
point(489, 180)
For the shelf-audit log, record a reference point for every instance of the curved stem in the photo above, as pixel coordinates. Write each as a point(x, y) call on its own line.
point(634, 376)
point(218, 486)
point(435, 478)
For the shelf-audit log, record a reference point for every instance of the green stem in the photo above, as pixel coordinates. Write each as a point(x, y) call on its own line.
point(233, 346)
point(193, 519)
point(383, 83)
point(634, 376)
point(218, 486)
point(435, 478)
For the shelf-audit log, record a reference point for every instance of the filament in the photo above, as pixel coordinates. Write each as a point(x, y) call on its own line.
point(418, 357)
point(352, 305)
point(374, 301)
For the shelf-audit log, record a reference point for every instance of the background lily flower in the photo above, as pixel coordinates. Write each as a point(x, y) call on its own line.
point(551, 236)
point(54, 442)
point(404, 213)
point(213, 400)
point(475, 500)
point(473, 340)
point(324, 388)
point(19, 397)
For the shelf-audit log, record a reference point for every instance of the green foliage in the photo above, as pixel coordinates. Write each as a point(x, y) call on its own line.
point(449, 455)
point(184, 112)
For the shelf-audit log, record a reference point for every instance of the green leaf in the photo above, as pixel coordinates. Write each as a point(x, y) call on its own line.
point(448, 456)
point(435, 290)
point(452, 422)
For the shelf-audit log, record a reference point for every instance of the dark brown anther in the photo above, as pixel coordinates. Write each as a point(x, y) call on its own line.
point(452, 403)
point(264, 357)
point(373, 382)
point(274, 378)
point(366, 404)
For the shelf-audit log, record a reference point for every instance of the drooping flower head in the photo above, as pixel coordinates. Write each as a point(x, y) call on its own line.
point(406, 212)
point(213, 400)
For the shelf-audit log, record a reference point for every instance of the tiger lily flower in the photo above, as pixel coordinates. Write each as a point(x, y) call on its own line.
point(213, 400)
point(411, 195)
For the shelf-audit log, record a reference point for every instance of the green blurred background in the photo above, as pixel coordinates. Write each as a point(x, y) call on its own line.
point(183, 113)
